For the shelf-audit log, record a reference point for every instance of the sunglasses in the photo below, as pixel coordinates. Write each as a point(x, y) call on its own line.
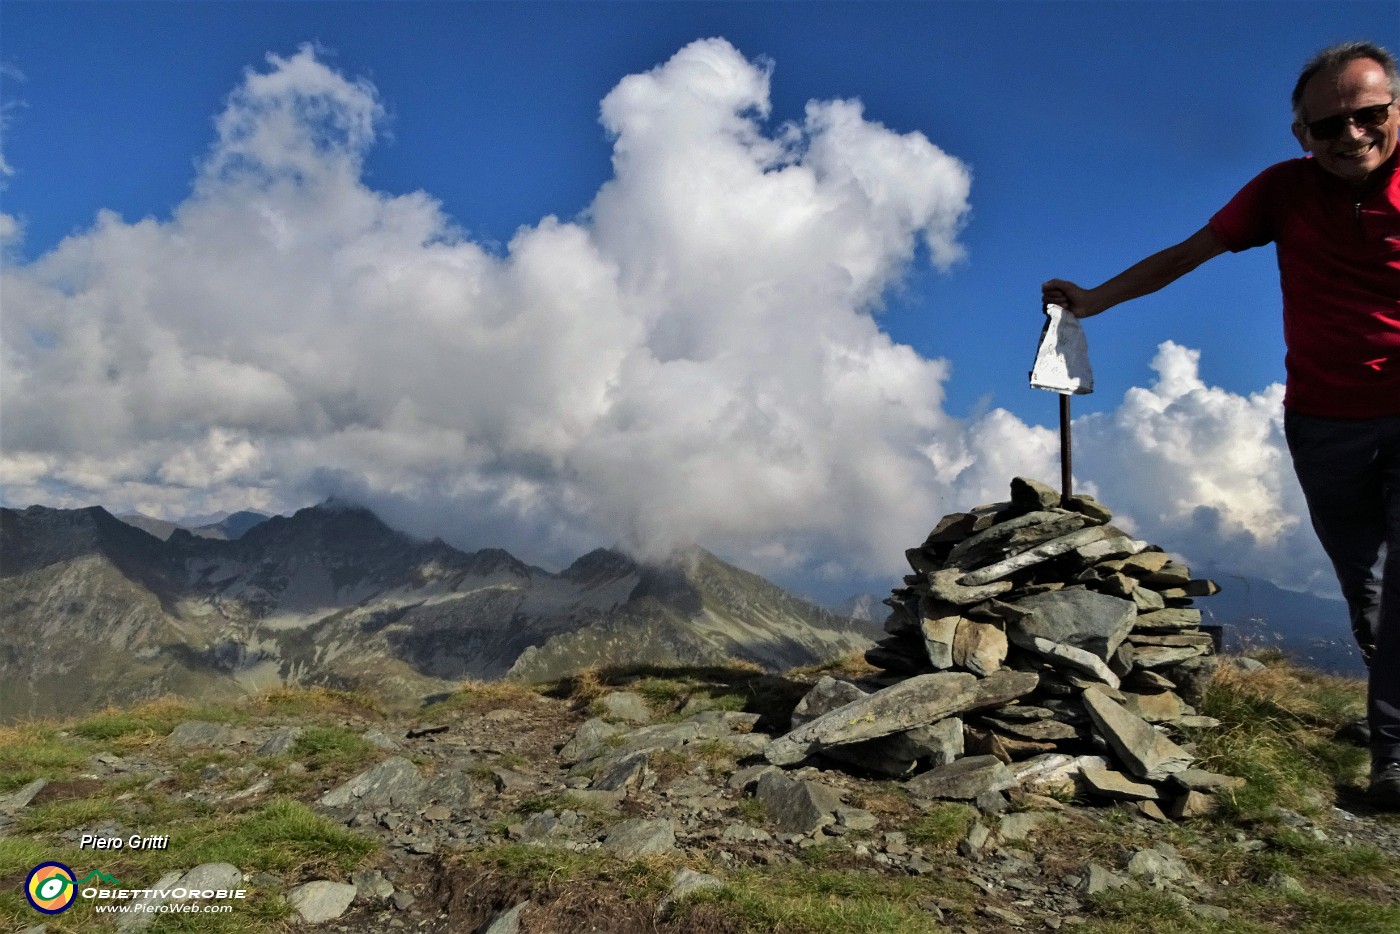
point(1367, 118)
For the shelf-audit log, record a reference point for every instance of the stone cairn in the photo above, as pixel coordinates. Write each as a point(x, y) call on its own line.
point(1034, 647)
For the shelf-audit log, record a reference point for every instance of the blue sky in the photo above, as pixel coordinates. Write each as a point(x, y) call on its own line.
point(1093, 133)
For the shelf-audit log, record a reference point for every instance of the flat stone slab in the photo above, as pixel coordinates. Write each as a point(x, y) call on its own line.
point(944, 586)
point(452, 788)
point(1095, 622)
point(16, 800)
point(623, 774)
point(1208, 782)
point(394, 781)
point(796, 807)
point(1088, 506)
point(1041, 731)
point(1078, 660)
point(590, 739)
point(1168, 620)
point(198, 733)
point(1013, 537)
point(280, 742)
point(212, 876)
point(322, 900)
point(633, 838)
point(963, 779)
point(1146, 563)
point(825, 696)
point(1031, 557)
point(1156, 707)
point(917, 701)
point(143, 913)
point(1108, 783)
point(1145, 752)
point(938, 624)
point(1148, 600)
point(898, 754)
point(371, 886)
point(1030, 493)
point(1020, 826)
point(627, 706)
point(1109, 547)
point(1192, 804)
point(1170, 574)
point(1054, 772)
point(979, 647)
point(1164, 656)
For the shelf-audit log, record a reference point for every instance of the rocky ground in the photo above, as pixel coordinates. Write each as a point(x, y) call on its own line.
point(472, 803)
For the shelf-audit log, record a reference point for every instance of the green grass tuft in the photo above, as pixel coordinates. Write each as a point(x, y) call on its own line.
point(331, 747)
point(279, 836)
point(942, 826)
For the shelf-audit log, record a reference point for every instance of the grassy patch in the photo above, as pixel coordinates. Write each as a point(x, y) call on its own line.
point(849, 667)
point(942, 826)
point(68, 815)
point(716, 753)
point(820, 901)
point(482, 696)
point(1276, 733)
point(281, 835)
point(189, 772)
point(669, 764)
point(151, 720)
point(751, 811)
point(19, 855)
point(331, 748)
point(33, 751)
point(1133, 910)
point(540, 864)
point(594, 814)
point(1252, 910)
point(311, 701)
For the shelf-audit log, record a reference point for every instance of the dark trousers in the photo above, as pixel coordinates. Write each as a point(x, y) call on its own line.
point(1350, 473)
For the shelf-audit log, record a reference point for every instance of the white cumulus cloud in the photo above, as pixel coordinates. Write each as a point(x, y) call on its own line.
point(693, 358)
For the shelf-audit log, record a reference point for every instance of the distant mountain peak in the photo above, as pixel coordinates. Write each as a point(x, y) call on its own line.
point(339, 504)
point(600, 565)
point(227, 526)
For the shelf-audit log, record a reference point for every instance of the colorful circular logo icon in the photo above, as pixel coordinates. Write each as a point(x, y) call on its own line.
point(50, 888)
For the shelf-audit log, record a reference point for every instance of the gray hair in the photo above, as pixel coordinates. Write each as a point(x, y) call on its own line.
point(1333, 58)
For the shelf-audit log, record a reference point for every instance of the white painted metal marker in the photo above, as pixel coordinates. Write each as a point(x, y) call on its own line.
point(1062, 366)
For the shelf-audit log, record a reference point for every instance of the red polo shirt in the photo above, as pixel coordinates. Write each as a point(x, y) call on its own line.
point(1339, 265)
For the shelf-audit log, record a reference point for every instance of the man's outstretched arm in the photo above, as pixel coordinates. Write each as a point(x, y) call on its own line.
point(1148, 276)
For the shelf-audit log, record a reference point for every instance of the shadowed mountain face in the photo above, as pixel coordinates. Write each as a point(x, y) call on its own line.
point(1314, 631)
point(94, 611)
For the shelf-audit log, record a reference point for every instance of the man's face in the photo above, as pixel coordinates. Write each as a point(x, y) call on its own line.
point(1358, 151)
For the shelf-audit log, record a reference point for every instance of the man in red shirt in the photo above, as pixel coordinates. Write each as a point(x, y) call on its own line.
point(1334, 218)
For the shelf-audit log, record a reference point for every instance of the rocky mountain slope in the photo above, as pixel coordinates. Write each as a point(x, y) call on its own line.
point(94, 611)
point(645, 802)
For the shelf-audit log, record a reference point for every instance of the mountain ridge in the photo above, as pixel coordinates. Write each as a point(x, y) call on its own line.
point(230, 526)
point(95, 611)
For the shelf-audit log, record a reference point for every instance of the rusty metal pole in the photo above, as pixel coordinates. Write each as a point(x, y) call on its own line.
point(1065, 451)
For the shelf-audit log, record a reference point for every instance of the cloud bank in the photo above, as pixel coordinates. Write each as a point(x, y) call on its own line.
point(692, 359)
